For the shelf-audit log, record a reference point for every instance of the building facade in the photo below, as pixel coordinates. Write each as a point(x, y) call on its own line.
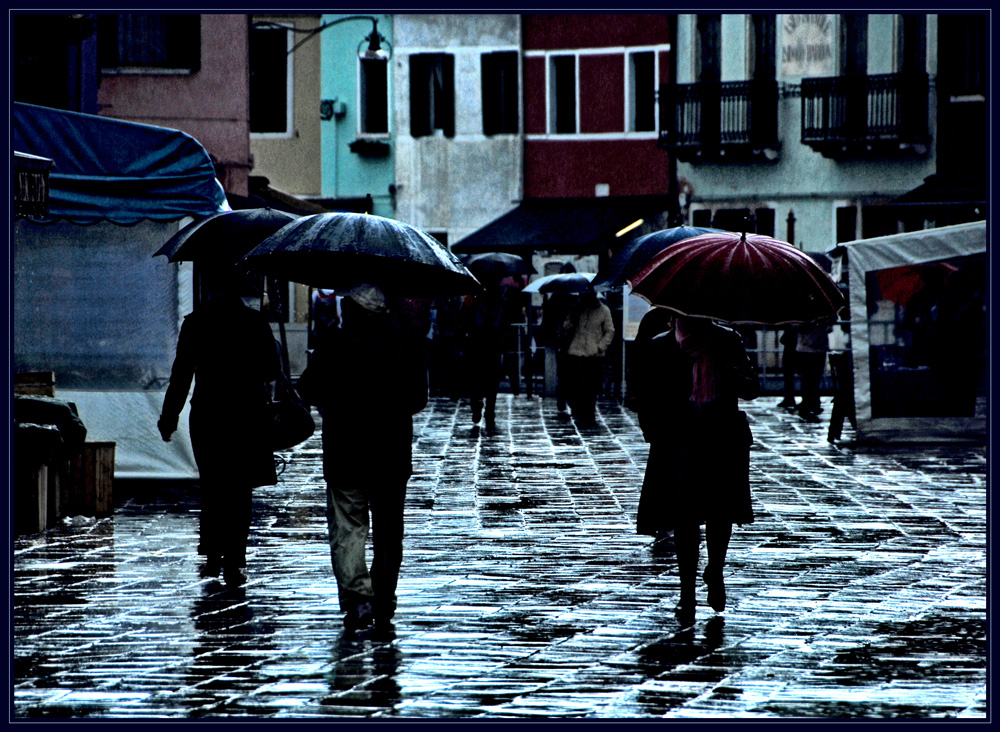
point(357, 136)
point(185, 72)
point(457, 113)
point(809, 125)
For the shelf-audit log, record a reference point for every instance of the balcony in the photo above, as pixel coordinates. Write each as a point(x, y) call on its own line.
point(866, 116)
point(720, 121)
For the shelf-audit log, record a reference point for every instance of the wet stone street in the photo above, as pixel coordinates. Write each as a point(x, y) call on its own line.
point(858, 592)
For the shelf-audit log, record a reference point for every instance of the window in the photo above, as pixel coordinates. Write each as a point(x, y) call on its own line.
point(763, 57)
point(963, 70)
point(847, 223)
point(562, 94)
point(912, 46)
point(373, 93)
point(145, 42)
point(500, 108)
point(854, 45)
point(270, 81)
point(642, 91)
point(432, 94)
point(707, 53)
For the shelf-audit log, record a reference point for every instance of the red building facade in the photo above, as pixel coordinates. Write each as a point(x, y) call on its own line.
point(590, 115)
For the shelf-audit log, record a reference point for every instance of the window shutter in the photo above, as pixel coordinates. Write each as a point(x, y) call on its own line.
point(491, 92)
point(420, 113)
point(447, 109)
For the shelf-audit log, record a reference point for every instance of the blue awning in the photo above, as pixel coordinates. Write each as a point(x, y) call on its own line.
point(109, 169)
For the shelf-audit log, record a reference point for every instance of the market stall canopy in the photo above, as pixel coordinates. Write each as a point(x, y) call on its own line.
point(561, 224)
point(920, 365)
point(109, 169)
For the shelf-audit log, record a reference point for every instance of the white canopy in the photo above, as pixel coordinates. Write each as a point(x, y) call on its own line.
point(903, 386)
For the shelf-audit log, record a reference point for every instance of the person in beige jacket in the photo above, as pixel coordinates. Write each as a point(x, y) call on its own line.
point(590, 331)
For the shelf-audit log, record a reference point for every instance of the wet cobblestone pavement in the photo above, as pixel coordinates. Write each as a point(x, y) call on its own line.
point(859, 591)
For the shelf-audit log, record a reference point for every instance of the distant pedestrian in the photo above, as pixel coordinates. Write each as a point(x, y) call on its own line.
point(370, 377)
point(229, 351)
point(554, 335)
point(685, 394)
point(591, 330)
point(481, 324)
point(789, 340)
point(810, 356)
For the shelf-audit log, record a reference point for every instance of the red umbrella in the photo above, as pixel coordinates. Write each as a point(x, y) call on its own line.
point(739, 279)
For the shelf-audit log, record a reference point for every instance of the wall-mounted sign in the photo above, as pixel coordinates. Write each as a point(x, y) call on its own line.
point(807, 44)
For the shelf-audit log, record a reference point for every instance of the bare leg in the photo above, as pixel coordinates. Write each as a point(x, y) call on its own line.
point(717, 535)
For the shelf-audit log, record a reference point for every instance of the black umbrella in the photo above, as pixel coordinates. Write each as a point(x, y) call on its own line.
point(498, 265)
point(631, 258)
point(224, 237)
point(342, 250)
point(573, 283)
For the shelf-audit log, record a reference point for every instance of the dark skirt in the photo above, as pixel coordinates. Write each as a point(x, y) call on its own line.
point(697, 473)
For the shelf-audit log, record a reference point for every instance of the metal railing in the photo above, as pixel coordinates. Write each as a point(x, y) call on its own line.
point(864, 109)
point(720, 115)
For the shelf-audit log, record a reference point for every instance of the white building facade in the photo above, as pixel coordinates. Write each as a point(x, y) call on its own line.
point(458, 156)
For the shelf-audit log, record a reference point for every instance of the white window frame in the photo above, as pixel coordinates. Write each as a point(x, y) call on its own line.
point(550, 93)
point(289, 97)
point(629, 125)
point(624, 133)
point(361, 134)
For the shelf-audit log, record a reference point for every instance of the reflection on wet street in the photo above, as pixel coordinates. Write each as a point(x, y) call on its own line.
point(858, 592)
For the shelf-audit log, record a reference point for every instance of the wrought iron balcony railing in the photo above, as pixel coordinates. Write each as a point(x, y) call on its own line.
point(883, 113)
point(711, 120)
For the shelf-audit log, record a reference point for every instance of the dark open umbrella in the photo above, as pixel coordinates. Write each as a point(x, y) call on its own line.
point(739, 279)
point(495, 266)
point(225, 237)
point(566, 282)
point(639, 251)
point(342, 250)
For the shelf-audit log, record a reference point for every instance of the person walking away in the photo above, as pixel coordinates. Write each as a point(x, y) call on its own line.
point(687, 388)
point(229, 351)
point(481, 323)
point(371, 378)
point(591, 330)
point(810, 356)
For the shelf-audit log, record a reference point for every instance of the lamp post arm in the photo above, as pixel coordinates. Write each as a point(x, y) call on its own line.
point(311, 32)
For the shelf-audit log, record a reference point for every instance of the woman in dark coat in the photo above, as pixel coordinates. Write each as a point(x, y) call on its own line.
point(686, 384)
point(230, 352)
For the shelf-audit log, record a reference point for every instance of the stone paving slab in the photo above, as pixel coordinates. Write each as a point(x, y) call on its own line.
point(858, 592)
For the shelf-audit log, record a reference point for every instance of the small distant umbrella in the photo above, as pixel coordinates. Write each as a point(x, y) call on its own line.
point(566, 282)
point(631, 258)
point(225, 237)
point(343, 250)
point(739, 279)
point(496, 266)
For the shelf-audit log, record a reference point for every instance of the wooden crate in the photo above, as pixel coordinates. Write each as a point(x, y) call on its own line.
point(89, 482)
point(36, 383)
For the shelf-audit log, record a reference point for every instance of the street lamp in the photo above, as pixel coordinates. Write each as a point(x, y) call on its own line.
point(372, 52)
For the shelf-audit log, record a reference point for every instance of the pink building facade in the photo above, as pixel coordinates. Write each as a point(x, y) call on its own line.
point(207, 97)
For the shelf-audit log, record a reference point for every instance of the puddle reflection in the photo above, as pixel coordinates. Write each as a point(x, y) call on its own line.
point(364, 673)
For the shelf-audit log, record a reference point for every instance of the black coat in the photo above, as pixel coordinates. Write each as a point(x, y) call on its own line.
point(698, 468)
point(370, 378)
point(230, 352)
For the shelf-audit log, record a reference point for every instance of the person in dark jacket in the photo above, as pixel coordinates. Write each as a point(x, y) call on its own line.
point(229, 351)
point(482, 326)
point(371, 378)
point(686, 389)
